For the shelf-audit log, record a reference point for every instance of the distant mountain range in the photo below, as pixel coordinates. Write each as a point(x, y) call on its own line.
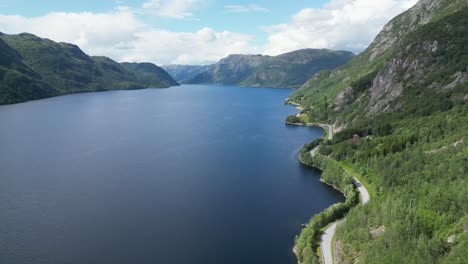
point(182, 73)
point(32, 68)
point(291, 69)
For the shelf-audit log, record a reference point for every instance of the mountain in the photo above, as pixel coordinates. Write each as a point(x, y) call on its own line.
point(33, 68)
point(401, 121)
point(184, 72)
point(401, 56)
point(149, 74)
point(18, 80)
point(287, 70)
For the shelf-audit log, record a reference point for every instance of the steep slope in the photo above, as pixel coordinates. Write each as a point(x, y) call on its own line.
point(61, 68)
point(401, 113)
point(182, 73)
point(370, 83)
point(286, 70)
point(18, 80)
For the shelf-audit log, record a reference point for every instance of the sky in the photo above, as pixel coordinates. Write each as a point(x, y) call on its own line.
point(200, 31)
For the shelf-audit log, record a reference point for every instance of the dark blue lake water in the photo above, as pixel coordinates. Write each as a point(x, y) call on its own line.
point(192, 174)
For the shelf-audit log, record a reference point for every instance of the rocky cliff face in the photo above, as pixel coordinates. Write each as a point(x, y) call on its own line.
point(417, 62)
point(420, 14)
point(423, 48)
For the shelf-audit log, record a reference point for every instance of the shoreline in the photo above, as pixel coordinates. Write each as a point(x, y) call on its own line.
point(87, 92)
point(329, 233)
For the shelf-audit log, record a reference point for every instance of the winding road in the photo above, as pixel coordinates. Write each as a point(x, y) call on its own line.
point(330, 137)
point(365, 197)
point(327, 237)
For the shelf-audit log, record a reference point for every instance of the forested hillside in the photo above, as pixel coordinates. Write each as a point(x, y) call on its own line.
point(33, 68)
point(401, 116)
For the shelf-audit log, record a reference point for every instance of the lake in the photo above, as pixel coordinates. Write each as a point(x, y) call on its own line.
point(192, 174)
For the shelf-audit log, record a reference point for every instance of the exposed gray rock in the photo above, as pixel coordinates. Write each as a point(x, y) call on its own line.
point(451, 239)
point(458, 143)
point(342, 98)
point(385, 88)
point(375, 232)
point(419, 14)
point(458, 78)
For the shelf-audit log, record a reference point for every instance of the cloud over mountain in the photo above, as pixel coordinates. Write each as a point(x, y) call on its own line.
point(340, 24)
point(124, 35)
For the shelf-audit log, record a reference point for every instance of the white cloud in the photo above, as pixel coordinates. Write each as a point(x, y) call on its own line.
point(122, 36)
point(202, 46)
point(88, 30)
point(171, 8)
point(245, 8)
point(340, 24)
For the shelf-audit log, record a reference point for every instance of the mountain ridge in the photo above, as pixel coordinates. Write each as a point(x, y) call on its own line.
point(35, 68)
point(290, 69)
point(182, 73)
point(401, 119)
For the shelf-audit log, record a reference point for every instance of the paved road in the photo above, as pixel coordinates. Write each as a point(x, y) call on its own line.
point(327, 237)
point(330, 137)
point(314, 151)
point(326, 244)
point(330, 132)
point(365, 197)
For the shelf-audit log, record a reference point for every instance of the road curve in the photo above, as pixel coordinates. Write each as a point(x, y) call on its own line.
point(314, 151)
point(327, 237)
point(326, 243)
point(330, 137)
point(330, 129)
point(365, 197)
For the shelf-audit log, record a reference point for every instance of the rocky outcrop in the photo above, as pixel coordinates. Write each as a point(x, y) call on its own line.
point(342, 99)
point(400, 26)
point(375, 232)
point(385, 88)
point(413, 65)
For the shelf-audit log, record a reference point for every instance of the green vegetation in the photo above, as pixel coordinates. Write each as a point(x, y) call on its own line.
point(429, 55)
point(33, 68)
point(286, 70)
point(407, 102)
point(297, 119)
point(421, 178)
point(293, 119)
point(309, 239)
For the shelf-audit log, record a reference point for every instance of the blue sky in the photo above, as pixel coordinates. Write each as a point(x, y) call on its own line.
point(213, 14)
point(200, 31)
